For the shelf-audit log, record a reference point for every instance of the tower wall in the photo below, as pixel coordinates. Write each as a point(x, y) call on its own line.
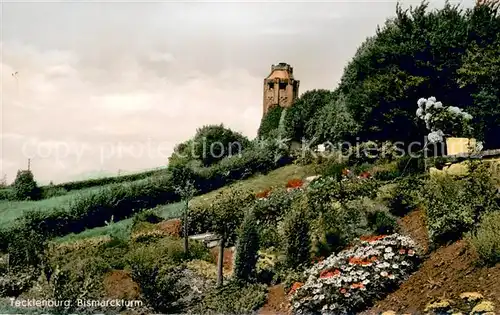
point(280, 87)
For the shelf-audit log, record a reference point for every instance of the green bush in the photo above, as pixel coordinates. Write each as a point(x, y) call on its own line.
point(409, 165)
point(161, 287)
point(382, 222)
point(7, 194)
point(246, 249)
point(406, 196)
point(215, 142)
point(454, 205)
point(149, 216)
point(51, 191)
point(25, 187)
point(269, 122)
point(233, 298)
point(297, 239)
point(486, 239)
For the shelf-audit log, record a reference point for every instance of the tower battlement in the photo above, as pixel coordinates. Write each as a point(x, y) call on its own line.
point(280, 87)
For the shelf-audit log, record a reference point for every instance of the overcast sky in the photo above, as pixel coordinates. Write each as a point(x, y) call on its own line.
point(102, 87)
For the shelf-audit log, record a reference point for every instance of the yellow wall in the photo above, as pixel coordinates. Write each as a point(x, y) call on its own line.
point(459, 145)
point(461, 168)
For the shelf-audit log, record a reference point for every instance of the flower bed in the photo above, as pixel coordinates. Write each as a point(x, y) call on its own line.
point(352, 279)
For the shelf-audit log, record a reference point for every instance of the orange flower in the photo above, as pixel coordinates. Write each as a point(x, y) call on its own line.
point(263, 194)
point(373, 258)
point(295, 287)
point(359, 261)
point(365, 175)
point(357, 285)
point(294, 183)
point(329, 273)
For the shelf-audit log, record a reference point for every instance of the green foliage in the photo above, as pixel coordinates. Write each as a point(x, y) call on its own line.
point(270, 121)
point(160, 287)
point(214, 142)
point(297, 239)
point(486, 240)
point(300, 117)
point(406, 196)
point(7, 194)
point(246, 249)
point(50, 192)
point(334, 123)
point(25, 187)
point(233, 298)
point(149, 216)
point(382, 222)
point(455, 205)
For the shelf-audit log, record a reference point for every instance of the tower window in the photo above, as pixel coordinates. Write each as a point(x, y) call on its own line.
point(282, 86)
point(270, 85)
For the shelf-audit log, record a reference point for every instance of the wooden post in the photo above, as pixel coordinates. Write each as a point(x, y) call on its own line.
point(29, 162)
point(220, 263)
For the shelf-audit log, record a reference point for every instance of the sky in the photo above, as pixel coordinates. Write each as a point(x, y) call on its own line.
point(94, 88)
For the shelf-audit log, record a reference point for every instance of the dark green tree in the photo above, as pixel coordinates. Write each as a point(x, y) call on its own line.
point(297, 239)
point(247, 248)
point(25, 187)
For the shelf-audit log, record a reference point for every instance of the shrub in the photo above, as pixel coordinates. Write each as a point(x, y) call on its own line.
point(214, 142)
point(275, 206)
point(149, 216)
point(351, 280)
point(161, 287)
point(406, 196)
point(449, 211)
point(409, 165)
point(270, 121)
point(486, 240)
point(454, 205)
point(7, 194)
point(50, 192)
point(246, 249)
point(382, 222)
point(233, 298)
point(297, 239)
point(25, 187)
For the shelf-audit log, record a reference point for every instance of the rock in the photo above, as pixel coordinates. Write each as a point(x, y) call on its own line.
point(471, 296)
point(438, 306)
point(311, 178)
point(483, 307)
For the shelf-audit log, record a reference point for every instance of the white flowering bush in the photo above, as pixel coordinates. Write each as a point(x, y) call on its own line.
point(443, 120)
point(351, 280)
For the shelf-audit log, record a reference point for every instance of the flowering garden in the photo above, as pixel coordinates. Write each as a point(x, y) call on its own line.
point(349, 281)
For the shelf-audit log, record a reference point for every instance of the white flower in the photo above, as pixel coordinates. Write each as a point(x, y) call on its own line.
point(392, 277)
point(296, 305)
point(420, 112)
point(438, 105)
point(332, 307)
point(421, 102)
point(365, 282)
point(435, 136)
point(322, 297)
point(384, 274)
point(325, 307)
point(467, 116)
point(429, 104)
point(315, 297)
point(427, 117)
point(388, 249)
point(395, 266)
point(347, 294)
point(432, 99)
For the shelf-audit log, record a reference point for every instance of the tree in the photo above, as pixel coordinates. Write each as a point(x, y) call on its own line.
point(269, 122)
point(3, 181)
point(297, 239)
point(247, 248)
point(226, 214)
point(25, 187)
point(187, 193)
point(212, 143)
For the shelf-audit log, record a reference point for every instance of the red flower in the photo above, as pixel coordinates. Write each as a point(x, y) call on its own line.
point(402, 251)
point(357, 285)
point(263, 194)
point(329, 273)
point(295, 287)
point(345, 172)
point(294, 183)
point(343, 291)
point(365, 175)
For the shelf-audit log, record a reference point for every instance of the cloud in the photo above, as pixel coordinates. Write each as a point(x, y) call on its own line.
point(109, 86)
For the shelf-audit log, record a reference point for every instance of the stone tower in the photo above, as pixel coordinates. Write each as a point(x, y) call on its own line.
point(280, 88)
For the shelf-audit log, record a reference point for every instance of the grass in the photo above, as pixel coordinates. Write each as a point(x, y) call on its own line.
point(11, 210)
point(254, 184)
